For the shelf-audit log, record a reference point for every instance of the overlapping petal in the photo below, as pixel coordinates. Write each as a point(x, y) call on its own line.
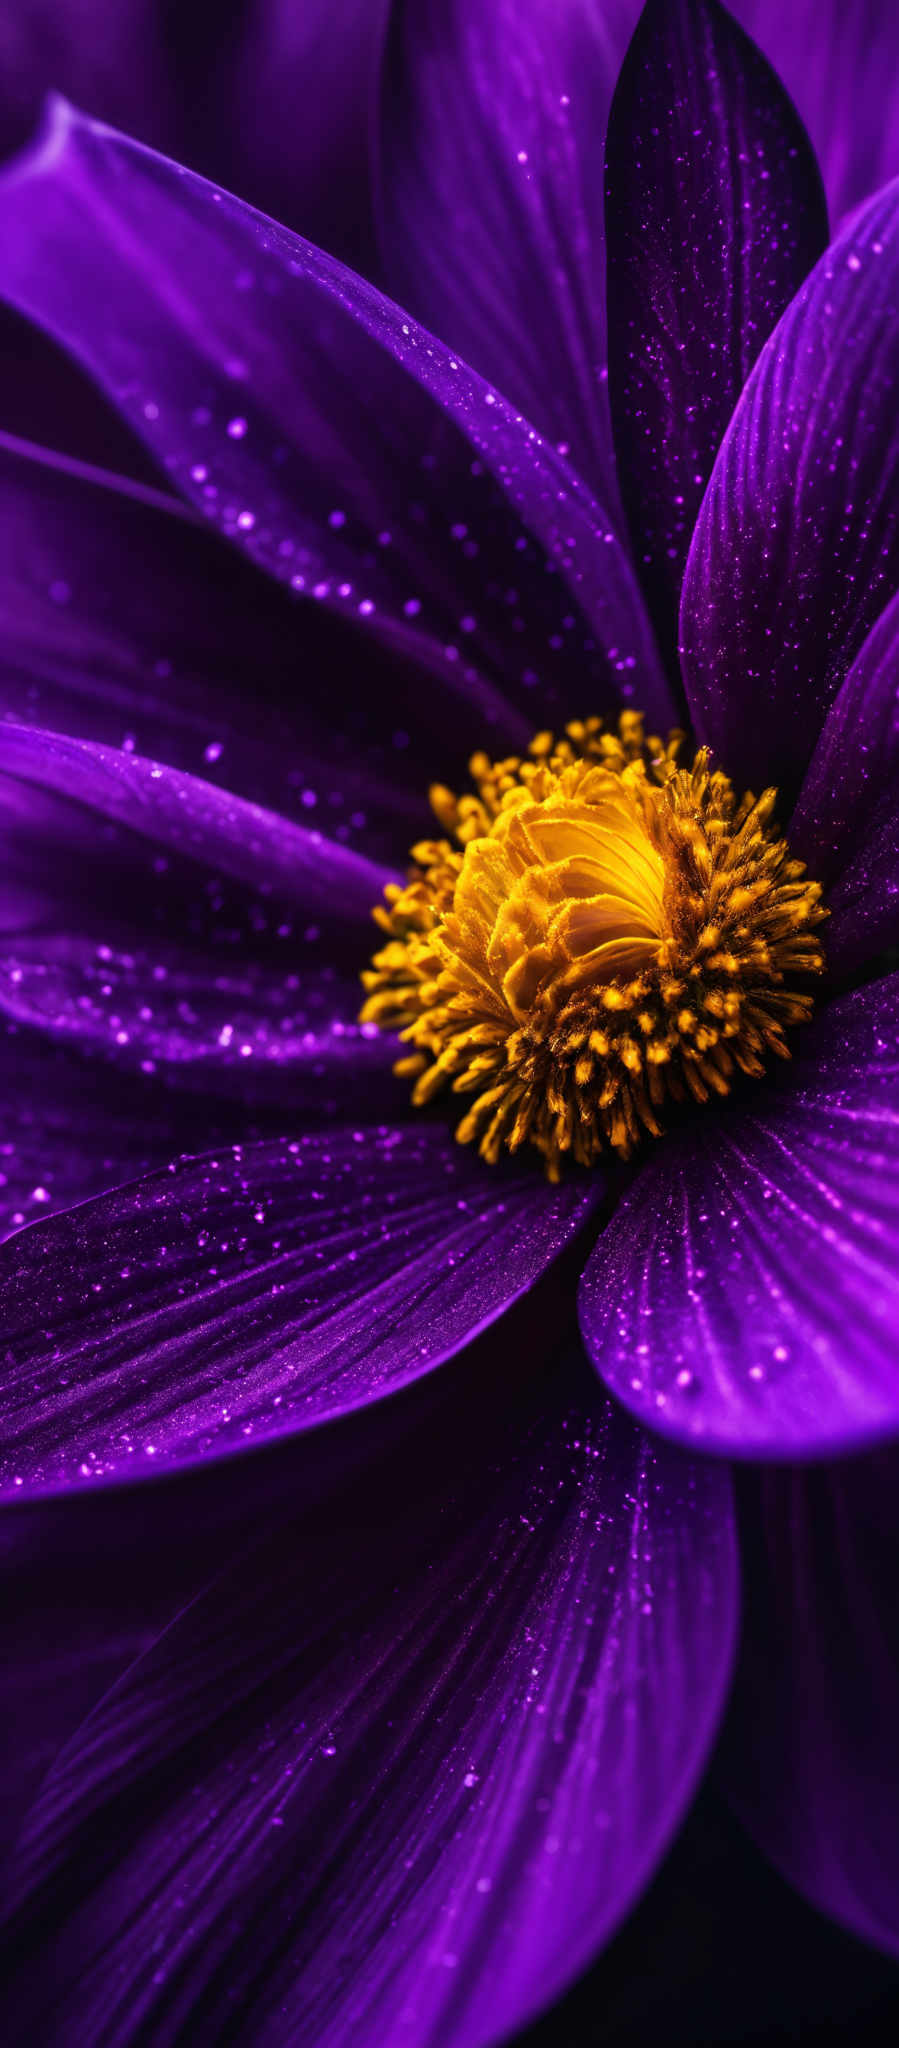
point(854, 764)
point(745, 1295)
point(175, 927)
point(492, 122)
point(838, 64)
point(846, 823)
point(72, 1128)
point(352, 454)
point(121, 620)
point(82, 1598)
point(410, 1792)
point(191, 817)
point(249, 1030)
point(714, 215)
point(201, 95)
point(796, 548)
point(864, 904)
point(809, 1758)
point(241, 1297)
point(310, 68)
point(491, 132)
point(314, 70)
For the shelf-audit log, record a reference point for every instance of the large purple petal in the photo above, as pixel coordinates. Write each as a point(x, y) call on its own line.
point(118, 622)
point(745, 1295)
point(409, 1767)
point(714, 214)
point(353, 455)
point(242, 1297)
point(491, 137)
point(810, 1754)
point(796, 548)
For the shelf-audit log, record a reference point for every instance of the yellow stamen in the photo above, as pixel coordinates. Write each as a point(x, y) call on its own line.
point(599, 929)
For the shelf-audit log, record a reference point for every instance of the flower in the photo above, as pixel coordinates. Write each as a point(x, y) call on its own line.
point(407, 1798)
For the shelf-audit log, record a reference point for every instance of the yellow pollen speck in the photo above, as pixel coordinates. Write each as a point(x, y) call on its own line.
point(599, 929)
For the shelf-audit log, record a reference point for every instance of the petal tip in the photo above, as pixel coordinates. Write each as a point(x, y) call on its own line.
point(57, 116)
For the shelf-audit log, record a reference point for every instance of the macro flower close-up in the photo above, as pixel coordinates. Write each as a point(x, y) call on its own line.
point(449, 769)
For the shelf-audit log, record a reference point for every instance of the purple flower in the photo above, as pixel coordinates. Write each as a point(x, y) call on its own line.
point(395, 1776)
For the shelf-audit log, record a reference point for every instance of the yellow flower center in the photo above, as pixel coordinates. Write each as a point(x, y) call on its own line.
point(599, 929)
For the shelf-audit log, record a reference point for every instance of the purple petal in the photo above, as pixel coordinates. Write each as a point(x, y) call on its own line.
point(46, 398)
point(118, 623)
point(202, 1023)
point(796, 548)
point(132, 70)
point(310, 68)
point(198, 95)
point(72, 1129)
point(864, 904)
point(714, 215)
point(409, 1768)
point(314, 70)
point(192, 817)
point(839, 65)
point(325, 431)
point(80, 1602)
point(745, 1295)
point(846, 824)
point(504, 257)
point(854, 763)
point(127, 63)
point(491, 138)
point(244, 1297)
point(810, 1757)
point(146, 914)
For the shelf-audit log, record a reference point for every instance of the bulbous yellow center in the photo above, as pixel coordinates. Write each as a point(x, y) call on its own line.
point(600, 928)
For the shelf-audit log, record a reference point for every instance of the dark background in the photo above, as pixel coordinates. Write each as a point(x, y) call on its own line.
point(720, 1949)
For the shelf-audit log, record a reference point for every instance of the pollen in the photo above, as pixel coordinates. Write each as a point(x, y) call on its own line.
point(600, 930)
